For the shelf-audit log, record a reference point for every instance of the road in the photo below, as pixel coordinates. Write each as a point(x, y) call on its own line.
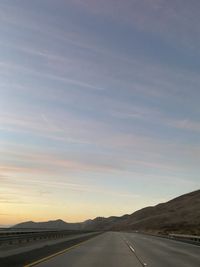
point(114, 249)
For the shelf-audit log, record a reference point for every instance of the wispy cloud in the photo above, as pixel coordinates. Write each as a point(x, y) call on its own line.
point(65, 185)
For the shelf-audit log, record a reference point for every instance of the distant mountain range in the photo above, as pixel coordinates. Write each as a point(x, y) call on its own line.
point(179, 215)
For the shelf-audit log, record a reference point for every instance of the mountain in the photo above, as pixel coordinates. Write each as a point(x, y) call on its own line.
point(179, 215)
point(99, 223)
point(56, 224)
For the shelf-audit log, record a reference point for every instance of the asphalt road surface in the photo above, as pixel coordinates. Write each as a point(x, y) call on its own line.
point(113, 249)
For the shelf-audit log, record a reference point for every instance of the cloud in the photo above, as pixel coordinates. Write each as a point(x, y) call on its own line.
point(37, 163)
point(63, 185)
point(11, 66)
point(11, 199)
point(186, 124)
point(138, 75)
point(148, 155)
point(3, 178)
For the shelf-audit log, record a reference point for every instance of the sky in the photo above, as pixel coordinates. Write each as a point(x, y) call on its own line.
point(99, 106)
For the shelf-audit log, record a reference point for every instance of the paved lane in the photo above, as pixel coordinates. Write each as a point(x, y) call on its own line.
point(161, 252)
point(128, 250)
point(106, 250)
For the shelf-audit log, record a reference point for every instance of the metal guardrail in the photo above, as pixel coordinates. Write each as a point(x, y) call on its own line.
point(8, 238)
point(192, 238)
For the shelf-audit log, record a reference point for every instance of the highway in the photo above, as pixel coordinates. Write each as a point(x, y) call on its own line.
point(113, 249)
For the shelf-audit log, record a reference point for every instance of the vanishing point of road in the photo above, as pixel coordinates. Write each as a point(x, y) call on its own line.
point(113, 249)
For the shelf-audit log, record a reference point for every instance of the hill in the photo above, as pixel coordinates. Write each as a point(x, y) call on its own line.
point(179, 215)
